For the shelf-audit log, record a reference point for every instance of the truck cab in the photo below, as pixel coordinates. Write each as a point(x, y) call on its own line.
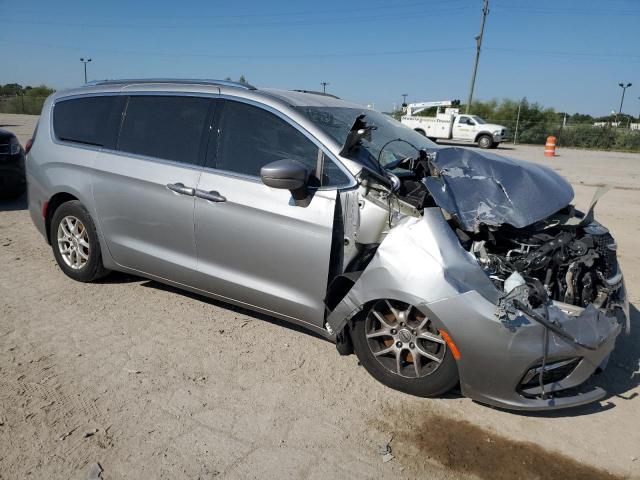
point(474, 129)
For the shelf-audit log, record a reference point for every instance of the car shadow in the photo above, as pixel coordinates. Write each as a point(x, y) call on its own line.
point(228, 306)
point(620, 377)
point(14, 204)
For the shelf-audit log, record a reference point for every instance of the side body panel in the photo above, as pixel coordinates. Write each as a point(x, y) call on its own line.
point(261, 249)
point(146, 226)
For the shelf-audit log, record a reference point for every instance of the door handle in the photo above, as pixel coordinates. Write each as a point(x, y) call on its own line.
point(211, 196)
point(181, 189)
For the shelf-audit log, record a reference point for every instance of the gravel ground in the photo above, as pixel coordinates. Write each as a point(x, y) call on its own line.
point(151, 382)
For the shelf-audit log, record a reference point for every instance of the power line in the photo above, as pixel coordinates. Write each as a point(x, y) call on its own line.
point(558, 53)
point(373, 53)
point(387, 6)
point(236, 25)
point(563, 11)
point(241, 56)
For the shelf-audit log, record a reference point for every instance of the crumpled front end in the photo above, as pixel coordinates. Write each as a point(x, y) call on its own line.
point(504, 361)
point(515, 352)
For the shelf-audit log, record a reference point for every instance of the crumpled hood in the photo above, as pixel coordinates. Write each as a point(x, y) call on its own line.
point(484, 188)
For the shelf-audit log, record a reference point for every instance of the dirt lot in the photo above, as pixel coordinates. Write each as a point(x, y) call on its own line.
point(150, 382)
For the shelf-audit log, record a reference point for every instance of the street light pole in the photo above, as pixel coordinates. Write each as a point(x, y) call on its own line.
point(485, 12)
point(404, 99)
point(85, 67)
point(624, 89)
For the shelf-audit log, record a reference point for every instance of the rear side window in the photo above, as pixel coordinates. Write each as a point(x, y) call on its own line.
point(88, 120)
point(251, 137)
point(169, 128)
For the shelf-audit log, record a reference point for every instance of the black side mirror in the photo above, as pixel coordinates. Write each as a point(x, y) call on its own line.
point(289, 175)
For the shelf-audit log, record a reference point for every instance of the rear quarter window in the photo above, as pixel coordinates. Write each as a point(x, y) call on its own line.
point(88, 120)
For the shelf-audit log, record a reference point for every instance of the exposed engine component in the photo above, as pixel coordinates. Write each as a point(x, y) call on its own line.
point(567, 264)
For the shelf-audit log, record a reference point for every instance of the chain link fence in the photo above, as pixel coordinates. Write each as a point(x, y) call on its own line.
point(26, 104)
point(582, 135)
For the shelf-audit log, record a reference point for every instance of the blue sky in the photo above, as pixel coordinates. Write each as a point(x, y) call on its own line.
point(567, 54)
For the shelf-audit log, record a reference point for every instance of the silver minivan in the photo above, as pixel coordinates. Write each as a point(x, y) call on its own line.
point(436, 266)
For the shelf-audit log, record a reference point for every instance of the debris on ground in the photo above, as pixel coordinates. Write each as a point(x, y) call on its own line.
point(95, 472)
point(384, 449)
point(65, 435)
point(90, 433)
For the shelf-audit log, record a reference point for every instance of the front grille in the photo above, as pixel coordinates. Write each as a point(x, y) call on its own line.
point(609, 260)
point(553, 372)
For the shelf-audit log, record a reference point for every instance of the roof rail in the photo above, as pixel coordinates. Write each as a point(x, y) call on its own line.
point(313, 92)
point(182, 81)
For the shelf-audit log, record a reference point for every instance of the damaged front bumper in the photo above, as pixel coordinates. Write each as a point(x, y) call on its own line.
point(502, 357)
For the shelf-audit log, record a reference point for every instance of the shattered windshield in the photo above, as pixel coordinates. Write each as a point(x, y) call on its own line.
point(395, 140)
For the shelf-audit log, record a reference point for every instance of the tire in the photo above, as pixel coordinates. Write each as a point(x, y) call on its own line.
point(440, 377)
point(86, 265)
point(485, 141)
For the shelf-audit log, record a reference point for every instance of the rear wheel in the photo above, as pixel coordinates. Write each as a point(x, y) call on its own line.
point(75, 244)
point(402, 348)
point(485, 141)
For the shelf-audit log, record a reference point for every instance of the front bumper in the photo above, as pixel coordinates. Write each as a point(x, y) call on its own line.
point(497, 353)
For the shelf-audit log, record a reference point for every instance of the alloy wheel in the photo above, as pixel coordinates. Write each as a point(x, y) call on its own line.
point(73, 242)
point(403, 340)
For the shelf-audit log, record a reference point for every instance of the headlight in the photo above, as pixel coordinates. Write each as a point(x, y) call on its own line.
point(497, 132)
point(14, 147)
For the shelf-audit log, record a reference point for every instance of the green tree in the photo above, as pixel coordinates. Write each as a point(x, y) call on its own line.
point(11, 89)
point(39, 91)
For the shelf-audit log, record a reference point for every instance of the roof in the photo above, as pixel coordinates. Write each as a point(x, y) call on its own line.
point(292, 98)
point(297, 98)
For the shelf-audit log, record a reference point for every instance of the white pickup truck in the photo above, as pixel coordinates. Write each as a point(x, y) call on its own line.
point(451, 125)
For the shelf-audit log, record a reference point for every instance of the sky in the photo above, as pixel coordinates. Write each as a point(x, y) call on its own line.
point(569, 55)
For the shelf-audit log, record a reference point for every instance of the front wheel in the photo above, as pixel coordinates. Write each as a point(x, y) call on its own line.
point(403, 349)
point(485, 141)
point(75, 244)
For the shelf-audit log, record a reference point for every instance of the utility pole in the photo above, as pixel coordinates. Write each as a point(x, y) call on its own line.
point(404, 99)
point(515, 135)
point(324, 86)
point(485, 12)
point(85, 67)
point(624, 89)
